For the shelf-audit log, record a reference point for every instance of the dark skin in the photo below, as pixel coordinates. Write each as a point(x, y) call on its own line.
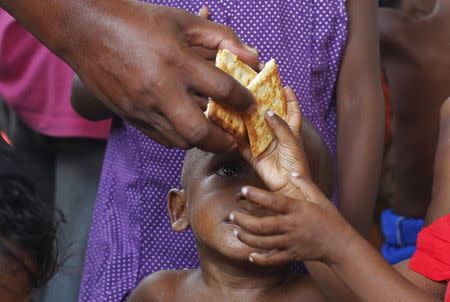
point(213, 184)
point(309, 227)
point(359, 109)
point(417, 8)
point(416, 61)
point(137, 58)
point(15, 282)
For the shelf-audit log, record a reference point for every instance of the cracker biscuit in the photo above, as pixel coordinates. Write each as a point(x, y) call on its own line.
point(269, 94)
point(225, 117)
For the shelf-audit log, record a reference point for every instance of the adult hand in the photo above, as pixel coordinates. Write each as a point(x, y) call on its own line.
point(138, 59)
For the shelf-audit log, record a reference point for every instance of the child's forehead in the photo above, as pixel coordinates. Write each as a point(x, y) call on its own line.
point(196, 160)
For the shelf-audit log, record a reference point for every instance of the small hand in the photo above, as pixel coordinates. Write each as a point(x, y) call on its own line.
point(285, 154)
point(310, 228)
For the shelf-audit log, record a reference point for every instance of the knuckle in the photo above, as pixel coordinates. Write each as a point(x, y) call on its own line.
point(196, 135)
point(170, 56)
point(227, 31)
point(291, 225)
point(225, 88)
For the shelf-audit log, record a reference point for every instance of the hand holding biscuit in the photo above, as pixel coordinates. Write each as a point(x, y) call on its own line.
point(285, 153)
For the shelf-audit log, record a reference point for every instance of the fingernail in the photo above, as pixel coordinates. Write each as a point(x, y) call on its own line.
point(250, 258)
point(235, 232)
point(270, 113)
point(252, 49)
point(244, 191)
point(295, 174)
point(231, 216)
point(261, 65)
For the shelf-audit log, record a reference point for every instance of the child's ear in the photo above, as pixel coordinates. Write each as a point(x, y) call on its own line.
point(176, 205)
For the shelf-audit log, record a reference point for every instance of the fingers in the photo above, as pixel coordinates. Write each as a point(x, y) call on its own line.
point(311, 192)
point(280, 128)
point(217, 84)
point(191, 124)
point(263, 242)
point(266, 199)
point(294, 114)
point(260, 66)
point(267, 225)
point(215, 36)
point(205, 53)
point(201, 101)
point(204, 12)
point(271, 258)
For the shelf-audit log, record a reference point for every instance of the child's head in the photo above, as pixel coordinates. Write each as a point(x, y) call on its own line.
point(417, 8)
point(27, 232)
point(212, 184)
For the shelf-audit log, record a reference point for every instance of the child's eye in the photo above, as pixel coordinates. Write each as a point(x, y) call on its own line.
point(226, 171)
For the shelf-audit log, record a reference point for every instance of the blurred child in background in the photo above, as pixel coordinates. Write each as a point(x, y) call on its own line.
point(416, 64)
point(28, 253)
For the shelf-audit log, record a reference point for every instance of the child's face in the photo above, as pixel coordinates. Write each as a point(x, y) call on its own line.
point(213, 184)
point(15, 281)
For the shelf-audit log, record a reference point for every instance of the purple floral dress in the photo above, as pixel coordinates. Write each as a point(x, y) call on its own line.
point(130, 235)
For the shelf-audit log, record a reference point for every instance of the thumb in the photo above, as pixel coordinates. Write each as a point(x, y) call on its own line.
point(215, 36)
point(311, 192)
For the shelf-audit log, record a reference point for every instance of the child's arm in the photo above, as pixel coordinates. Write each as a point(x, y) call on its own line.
point(437, 289)
point(360, 117)
point(86, 104)
point(440, 201)
point(311, 228)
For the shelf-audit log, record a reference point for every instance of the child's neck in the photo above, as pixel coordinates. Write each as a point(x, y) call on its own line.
point(241, 277)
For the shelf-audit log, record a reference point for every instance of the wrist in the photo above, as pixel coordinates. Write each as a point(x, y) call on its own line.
point(342, 247)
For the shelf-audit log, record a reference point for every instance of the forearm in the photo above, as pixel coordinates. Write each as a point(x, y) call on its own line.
point(330, 285)
point(60, 24)
point(360, 117)
point(359, 156)
point(371, 278)
point(86, 104)
point(434, 288)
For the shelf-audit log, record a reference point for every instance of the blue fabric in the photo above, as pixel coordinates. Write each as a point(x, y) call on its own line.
point(400, 235)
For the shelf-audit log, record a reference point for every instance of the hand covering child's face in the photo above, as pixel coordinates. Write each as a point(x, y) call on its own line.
point(212, 185)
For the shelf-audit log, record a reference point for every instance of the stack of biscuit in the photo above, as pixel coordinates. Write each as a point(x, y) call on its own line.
point(268, 91)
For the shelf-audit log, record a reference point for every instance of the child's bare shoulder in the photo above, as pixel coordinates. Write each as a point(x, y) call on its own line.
point(160, 286)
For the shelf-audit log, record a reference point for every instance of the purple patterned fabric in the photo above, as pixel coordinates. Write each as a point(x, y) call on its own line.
point(130, 235)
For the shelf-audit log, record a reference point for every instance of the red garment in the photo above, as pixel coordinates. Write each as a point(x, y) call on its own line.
point(432, 258)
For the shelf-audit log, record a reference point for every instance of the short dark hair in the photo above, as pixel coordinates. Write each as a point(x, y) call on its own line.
point(27, 222)
point(390, 3)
